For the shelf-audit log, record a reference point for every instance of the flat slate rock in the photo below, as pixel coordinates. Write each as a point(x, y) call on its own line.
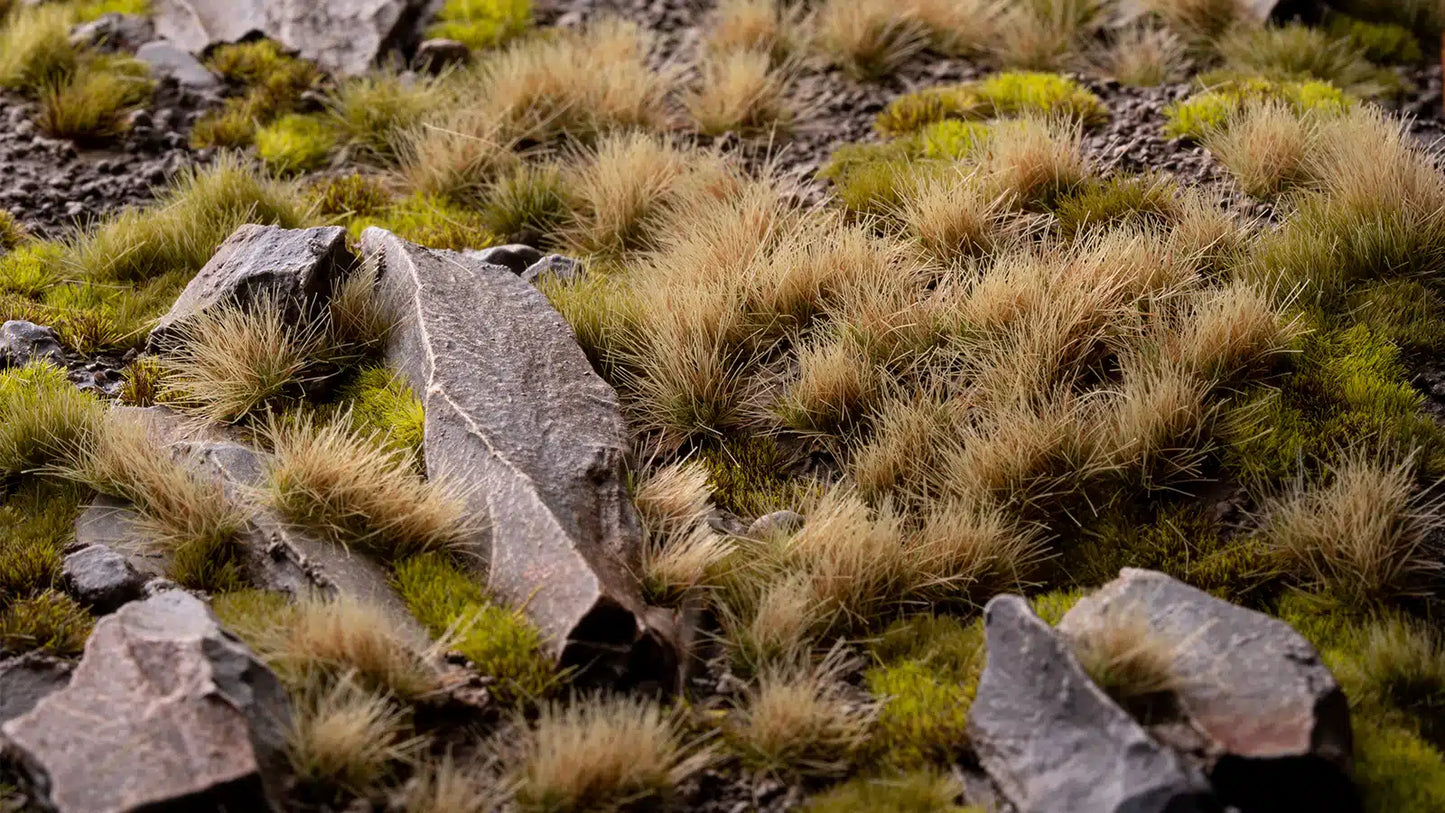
point(101, 578)
point(516, 416)
point(291, 267)
point(165, 711)
point(1052, 741)
point(27, 679)
point(342, 36)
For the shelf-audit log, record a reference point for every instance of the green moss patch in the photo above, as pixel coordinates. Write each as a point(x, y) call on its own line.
point(928, 669)
point(432, 222)
point(916, 792)
point(381, 404)
point(296, 143)
point(49, 621)
point(1216, 106)
point(1011, 93)
point(482, 23)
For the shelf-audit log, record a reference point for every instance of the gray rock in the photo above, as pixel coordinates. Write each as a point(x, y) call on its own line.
point(166, 710)
point(778, 523)
point(515, 257)
point(293, 267)
point(1255, 687)
point(436, 55)
point(1052, 741)
point(554, 266)
point(101, 578)
point(342, 36)
point(165, 59)
point(25, 680)
point(113, 32)
point(24, 342)
point(515, 414)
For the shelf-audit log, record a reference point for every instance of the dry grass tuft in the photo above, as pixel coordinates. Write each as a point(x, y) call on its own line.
point(760, 26)
point(1266, 147)
point(1363, 536)
point(456, 157)
point(955, 218)
point(621, 189)
point(1129, 660)
point(835, 387)
point(447, 786)
point(350, 488)
point(1156, 424)
point(740, 92)
point(867, 38)
point(799, 721)
point(601, 753)
point(1036, 161)
point(1200, 21)
point(957, 27)
point(682, 551)
point(1145, 56)
point(227, 364)
point(967, 553)
point(348, 740)
point(1229, 330)
point(1044, 34)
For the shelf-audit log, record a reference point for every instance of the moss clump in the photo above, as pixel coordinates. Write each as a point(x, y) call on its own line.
point(231, 127)
point(42, 418)
point(1402, 311)
point(499, 641)
point(1052, 606)
point(36, 523)
point(928, 669)
point(1142, 200)
point(349, 196)
point(1347, 389)
point(1383, 43)
point(1011, 93)
point(431, 221)
point(748, 476)
point(271, 82)
point(482, 23)
point(93, 9)
point(50, 621)
point(915, 792)
point(296, 143)
point(381, 404)
point(949, 140)
point(1214, 108)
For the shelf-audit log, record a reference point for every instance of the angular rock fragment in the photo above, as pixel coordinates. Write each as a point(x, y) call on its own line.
point(553, 266)
point(1053, 741)
point(292, 267)
point(1251, 684)
point(778, 523)
point(101, 578)
point(342, 36)
point(113, 32)
point(167, 60)
point(436, 55)
point(516, 414)
point(24, 342)
point(25, 680)
point(165, 710)
point(514, 257)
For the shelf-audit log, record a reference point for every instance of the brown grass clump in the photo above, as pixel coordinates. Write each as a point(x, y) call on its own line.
point(798, 721)
point(1266, 148)
point(1199, 21)
point(600, 753)
point(455, 157)
point(1145, 56)
point(1044, 34)
point(1363, 536)
point(954, 218)
point(740, 92)
point(775, 621)
point(1036, 161)
point(1157, 423)
point(1231, 329)
point(447, 786)
point(867, 38)
point(225, 364)
point(957, 27)
point(1129, 660)
point(352, 489)
point(835, 386)
point(621, 189)
point(682, 551)
point(761, 26)
point(968, 552)
point(347, 739)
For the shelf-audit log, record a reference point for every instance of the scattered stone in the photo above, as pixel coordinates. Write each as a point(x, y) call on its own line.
point(778, 523)
point(342, 36)
point(555, 266)
point(292, 267)
point(24, 342)
point(1251, 684)
point(25, 680)
point(165, 59)
point(515, 414)
point(102, 579)
point(113, 32)
point(1053, 741)
point(516, 257)
point(165, 710)
point(436, 55)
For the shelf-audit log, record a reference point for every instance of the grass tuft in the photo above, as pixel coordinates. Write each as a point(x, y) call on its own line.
point(1300, 53)
point(295, 143)
point(799, 722)
point(346, 740)
point(35, 49)
point(50, 622)
point(42, 418)
point(915, 792)
point(867, 38)
point(740, 92)
point(91, 104)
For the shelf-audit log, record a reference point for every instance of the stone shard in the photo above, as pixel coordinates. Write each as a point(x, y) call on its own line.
point(26, 680)
point(553, 266)
point(515, 414)
point(165, 711)
point(24, 342)
point(1254, 687)
point(778, 523)
point(1052, 741)
point(514, 257)
point(343, 36)
point(436, 55)
point(165, 59)
point(101, 578)
point(293, 267)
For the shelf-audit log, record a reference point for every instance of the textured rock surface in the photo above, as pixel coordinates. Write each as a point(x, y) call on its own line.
point(342, 36)
point(101, 578)
point(164, 709)
point(1251, 684)
point(24, 342)
point(436, 55)
point(515, 413)
point(25, 680)
point(554, 266)
point(778, 523)
point(290, 266)
point(514, 257)
point(1053, 741)
point(166, 59)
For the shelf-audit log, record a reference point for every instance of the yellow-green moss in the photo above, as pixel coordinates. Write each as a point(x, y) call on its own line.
point(928, 669)
point(748, 476)
point(37, 521)
point(914, 792)
point(91, 9)
point(432, 222)
point(1213, 108)
point(1010, 93)
point(296, 143)
point(381, 404)
point(482, 23)
point(49, 621)
point(349, 196)
point(1123, 199)
point(1403, 311)
point(500, 642)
